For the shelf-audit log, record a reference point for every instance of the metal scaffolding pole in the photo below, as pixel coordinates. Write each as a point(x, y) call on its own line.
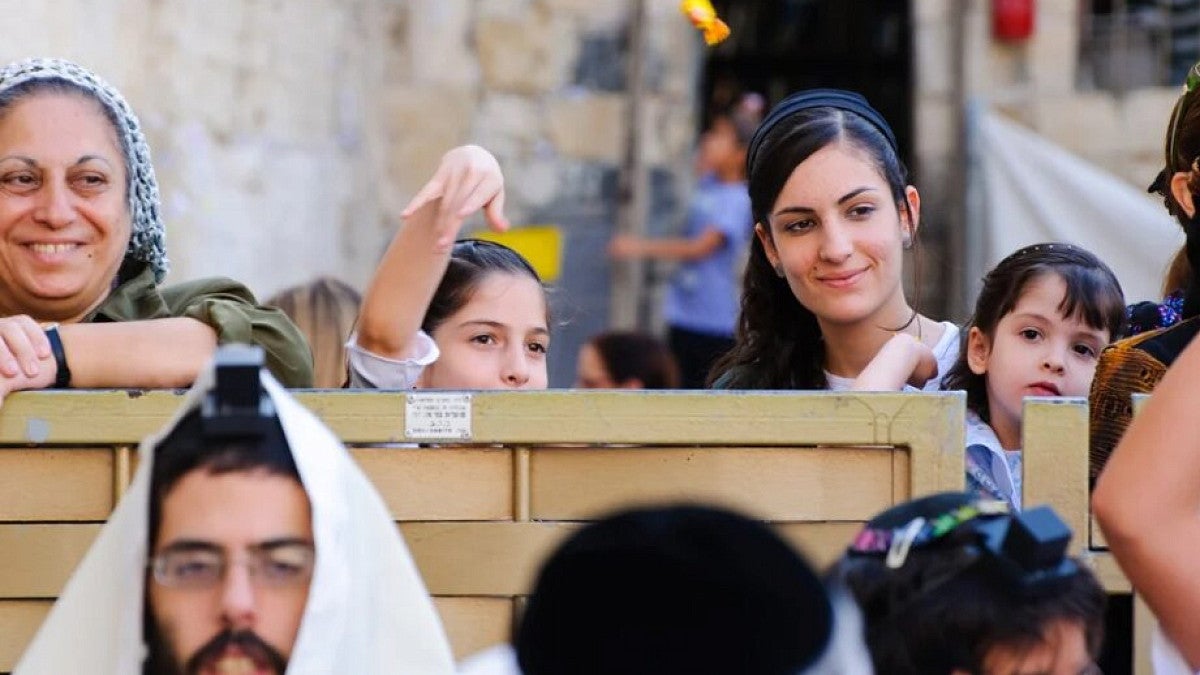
point(628, 277)
point(958, 302)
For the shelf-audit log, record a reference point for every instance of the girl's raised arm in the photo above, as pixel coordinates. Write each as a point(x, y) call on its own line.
point(1147, 500)
point(399, 294)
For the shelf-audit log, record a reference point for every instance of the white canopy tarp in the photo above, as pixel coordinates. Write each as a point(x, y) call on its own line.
point(1036, 191)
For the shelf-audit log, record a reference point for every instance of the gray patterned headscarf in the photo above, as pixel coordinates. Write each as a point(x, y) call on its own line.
point(147, 243)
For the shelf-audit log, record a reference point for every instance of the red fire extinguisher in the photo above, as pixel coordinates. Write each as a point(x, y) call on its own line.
point(1012, 20)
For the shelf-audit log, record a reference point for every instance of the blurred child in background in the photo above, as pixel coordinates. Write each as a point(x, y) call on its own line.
point(701, 307)
point(626, 360)
point(324, 310)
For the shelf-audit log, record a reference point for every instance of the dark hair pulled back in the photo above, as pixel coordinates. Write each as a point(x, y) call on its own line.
point(778, 342)
point(471, 261)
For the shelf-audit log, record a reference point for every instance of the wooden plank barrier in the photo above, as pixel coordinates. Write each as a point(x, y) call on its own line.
point(480, 516)
point(1055, 445)
point(1144, 621)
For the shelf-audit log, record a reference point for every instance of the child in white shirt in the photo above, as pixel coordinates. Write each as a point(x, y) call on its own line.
point(1040, 321)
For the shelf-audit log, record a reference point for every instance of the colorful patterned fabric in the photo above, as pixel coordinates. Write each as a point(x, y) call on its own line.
point(1147, 316)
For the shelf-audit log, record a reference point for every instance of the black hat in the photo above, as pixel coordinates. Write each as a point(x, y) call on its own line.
point(685, 589)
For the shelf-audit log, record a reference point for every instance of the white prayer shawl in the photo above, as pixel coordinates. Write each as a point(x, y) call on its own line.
point(368, 611)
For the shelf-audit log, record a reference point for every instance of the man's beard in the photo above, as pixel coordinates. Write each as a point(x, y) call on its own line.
point(161, 661)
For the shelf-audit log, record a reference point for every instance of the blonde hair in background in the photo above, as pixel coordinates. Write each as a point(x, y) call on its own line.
point(325, 310)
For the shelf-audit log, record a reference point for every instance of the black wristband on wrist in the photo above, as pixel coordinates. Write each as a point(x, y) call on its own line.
point(62, 378)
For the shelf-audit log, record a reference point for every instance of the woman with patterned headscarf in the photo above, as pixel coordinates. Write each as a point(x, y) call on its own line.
point(82, 254)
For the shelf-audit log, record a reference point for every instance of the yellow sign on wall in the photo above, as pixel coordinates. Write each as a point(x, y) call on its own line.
point(540, 244)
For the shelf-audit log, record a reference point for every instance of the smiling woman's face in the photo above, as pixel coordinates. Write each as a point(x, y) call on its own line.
point(64, 216)
point(836, 233)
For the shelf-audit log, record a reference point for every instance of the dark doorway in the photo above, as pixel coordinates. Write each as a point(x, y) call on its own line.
point(780, 46)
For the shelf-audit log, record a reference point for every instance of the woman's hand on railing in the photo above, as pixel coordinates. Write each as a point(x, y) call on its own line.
point(23, 344)
point(26, 361)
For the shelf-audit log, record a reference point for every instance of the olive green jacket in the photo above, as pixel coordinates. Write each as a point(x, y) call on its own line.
point(225, 305)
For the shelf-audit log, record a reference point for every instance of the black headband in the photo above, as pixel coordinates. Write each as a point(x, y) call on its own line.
point(819, 98)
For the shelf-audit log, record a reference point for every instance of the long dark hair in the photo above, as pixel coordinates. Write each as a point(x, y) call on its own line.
point(471, 260)
point(1093, 295)
point(778, 343)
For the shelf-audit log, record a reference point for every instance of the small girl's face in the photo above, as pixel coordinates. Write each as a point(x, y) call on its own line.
point(498, 340)
point(1035, 351)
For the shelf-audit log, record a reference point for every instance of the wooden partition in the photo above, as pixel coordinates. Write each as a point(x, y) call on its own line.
point(1055, 455)
point(480, 515)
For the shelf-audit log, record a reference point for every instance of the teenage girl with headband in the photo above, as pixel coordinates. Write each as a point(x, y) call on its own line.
point(823, 304)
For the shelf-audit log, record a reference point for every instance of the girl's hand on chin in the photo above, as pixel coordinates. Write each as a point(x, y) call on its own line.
point(927, 365)
point(902, 360)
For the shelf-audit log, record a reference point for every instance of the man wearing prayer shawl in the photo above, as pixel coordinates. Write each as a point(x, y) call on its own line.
point(269, 555)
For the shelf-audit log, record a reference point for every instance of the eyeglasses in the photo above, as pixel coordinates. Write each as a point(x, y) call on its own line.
point(275, 565)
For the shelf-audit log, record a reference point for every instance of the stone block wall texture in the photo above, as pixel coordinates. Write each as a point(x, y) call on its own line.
point(289, 135)
point(1033, 82)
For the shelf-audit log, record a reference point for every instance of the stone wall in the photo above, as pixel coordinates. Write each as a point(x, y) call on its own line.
point(259, 120)
point(289, 135)
point(1034, 82)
